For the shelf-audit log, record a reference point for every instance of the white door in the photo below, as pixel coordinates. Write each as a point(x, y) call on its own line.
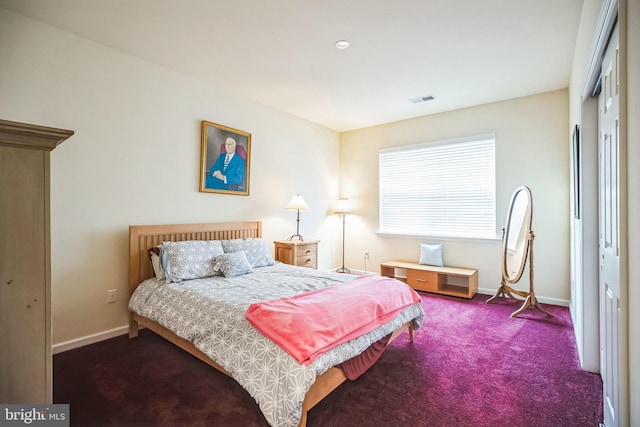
point(612, 340)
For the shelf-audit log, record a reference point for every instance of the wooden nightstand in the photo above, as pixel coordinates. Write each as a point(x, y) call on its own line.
point(295, 252)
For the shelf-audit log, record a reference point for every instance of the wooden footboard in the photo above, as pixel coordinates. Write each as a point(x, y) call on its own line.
point(331, 379)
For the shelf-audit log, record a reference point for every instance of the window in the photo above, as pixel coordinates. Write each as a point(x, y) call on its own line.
point(444, 189)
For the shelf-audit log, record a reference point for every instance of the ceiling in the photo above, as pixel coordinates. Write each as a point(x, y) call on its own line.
point(282, 53)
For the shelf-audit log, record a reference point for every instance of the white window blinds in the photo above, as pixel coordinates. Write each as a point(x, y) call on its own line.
point(443, 190)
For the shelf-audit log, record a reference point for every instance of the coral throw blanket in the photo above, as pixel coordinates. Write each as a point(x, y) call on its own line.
point(310, 324)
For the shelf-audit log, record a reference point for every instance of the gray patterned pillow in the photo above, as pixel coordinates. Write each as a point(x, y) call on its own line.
point(233, 264)
point(190, 259)
point(257, 250)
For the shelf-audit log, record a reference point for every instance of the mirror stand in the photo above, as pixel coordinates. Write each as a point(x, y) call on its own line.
point(506, 291)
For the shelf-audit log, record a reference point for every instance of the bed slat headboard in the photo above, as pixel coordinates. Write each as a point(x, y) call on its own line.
point(144, 237)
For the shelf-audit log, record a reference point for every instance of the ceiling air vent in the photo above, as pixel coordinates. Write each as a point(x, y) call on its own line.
point(420, 99)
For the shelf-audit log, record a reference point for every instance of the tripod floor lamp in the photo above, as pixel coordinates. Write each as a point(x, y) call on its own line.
point(297, 203)
point(343, 209)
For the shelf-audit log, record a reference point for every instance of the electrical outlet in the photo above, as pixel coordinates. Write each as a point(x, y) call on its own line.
point(366, 255)
point(112, 296)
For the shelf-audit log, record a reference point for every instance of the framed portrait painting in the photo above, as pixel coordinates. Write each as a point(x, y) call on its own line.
point(225, 160)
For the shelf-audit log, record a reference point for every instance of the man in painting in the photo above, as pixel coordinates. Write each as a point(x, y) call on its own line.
point(228, 172)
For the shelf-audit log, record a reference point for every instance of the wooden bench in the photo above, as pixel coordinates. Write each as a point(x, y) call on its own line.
point(454, 281)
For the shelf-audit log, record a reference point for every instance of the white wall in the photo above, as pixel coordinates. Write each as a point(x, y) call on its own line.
point(584, 254)
point(531, 149)
point(135, 159)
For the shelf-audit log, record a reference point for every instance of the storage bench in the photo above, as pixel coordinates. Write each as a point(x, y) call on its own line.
point(454, 281)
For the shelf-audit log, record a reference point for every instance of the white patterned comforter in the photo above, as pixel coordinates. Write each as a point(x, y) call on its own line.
point(210, 313)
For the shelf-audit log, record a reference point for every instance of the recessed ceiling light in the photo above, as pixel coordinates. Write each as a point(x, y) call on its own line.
point(342, 44)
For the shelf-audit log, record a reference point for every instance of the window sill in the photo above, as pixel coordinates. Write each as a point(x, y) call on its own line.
point(440, 238)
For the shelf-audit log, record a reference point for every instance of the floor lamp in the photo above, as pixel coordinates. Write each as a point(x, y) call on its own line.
point(343, 209)
point(297, 203)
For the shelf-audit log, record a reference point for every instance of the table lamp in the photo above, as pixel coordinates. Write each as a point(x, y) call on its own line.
point(297, 203)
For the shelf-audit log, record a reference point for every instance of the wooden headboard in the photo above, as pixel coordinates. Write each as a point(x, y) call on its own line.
point(144, 237)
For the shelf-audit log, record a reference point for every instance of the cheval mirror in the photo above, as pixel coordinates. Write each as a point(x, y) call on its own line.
point(517, 245)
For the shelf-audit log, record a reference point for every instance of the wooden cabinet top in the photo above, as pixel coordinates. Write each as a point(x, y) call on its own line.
point(297, 242)
point(458, 271)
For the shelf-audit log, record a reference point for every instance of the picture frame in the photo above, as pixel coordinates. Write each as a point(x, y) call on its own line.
point(219, 173)
point(576, 172)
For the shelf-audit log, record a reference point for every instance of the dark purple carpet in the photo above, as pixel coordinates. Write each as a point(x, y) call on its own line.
point(470, 365)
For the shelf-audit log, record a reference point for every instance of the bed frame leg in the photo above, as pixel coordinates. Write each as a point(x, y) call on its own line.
point(133, 328)
point(303, 419)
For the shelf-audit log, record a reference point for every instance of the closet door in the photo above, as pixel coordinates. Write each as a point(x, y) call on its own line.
point(613, 287)
point(25, 359)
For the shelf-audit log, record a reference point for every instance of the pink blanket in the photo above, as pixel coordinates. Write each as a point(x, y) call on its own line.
point(310, 324)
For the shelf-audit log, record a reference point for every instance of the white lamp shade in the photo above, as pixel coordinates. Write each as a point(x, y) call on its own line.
point(297, 203)
point(343, 207)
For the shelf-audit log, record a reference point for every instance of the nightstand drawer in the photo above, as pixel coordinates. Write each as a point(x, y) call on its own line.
point(307, 250)
point(306, 261)
point(423, 280)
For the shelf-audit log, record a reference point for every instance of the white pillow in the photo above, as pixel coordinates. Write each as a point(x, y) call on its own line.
point(189, 259)
point(157, 267)
point(431, 254)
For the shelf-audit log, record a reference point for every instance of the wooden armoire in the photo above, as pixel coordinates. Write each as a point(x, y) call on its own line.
point(25, 263)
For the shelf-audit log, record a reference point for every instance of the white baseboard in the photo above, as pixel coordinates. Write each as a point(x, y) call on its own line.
point(89, 339)
point(544, 300)
point(353, 271)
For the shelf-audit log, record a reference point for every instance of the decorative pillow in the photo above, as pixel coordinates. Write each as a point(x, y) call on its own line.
point(233, 264)
point(258, 252)
point(431, 254)
point(155, 262)
point(190, 259)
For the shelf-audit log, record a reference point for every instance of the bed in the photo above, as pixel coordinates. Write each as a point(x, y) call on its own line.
point(324, 379)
